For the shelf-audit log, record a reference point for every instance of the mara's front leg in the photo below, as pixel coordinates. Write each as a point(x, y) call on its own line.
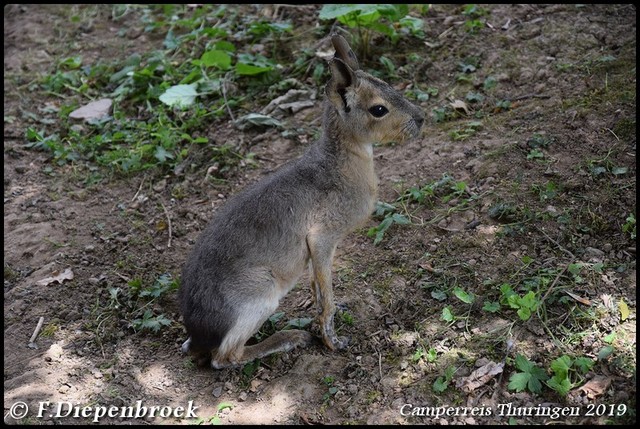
point(322, 250)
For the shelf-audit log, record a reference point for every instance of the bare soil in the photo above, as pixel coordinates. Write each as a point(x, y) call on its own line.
point(570, 74)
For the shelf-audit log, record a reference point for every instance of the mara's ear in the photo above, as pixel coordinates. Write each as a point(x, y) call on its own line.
point(344, 51)
point(342, 77)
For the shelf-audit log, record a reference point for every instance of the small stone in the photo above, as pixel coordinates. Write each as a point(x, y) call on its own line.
point(134, 32)
point(591, 253)
point(242, 396)
point(552, 211)
point(607, 247)
point(482, 362)
point(217, 391)
point(398, 403)
point(253, 386)
point(20, 169)
point(159, 187)
point(228, 386)
point(55, 352)
point(94, 110)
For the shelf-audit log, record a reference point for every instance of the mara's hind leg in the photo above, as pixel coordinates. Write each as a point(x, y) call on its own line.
point(281, 341)
point(200, 357)
point(248, 319)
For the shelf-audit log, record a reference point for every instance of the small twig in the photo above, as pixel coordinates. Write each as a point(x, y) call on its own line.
point(166, 213)
point(380, 365)
point(523, 97)
point(553, 284)
point(123, 277)
point(445, 32)
point(37, 330)
point(614, 134)
point(139, 188)
point(224, 95)
point(573, 257)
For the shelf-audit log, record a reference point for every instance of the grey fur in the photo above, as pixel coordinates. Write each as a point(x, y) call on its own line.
point(258, 245)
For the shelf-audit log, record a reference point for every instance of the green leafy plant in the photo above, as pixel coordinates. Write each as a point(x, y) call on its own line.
point(463, 296)
point(442, 382)
point(425, 194)
point(161, 99)
point(150, 322)
point(629, 226)
point(525, 305)
point(489, 83)
point(502, 106)
point(215, 419)
point(530, 377)
point(447, 315)
point(161, 286)
point(417, 355)
point(346, 318)
point(429, 355)
point(469, 130)
point(546, 192)
point(249, 371)
point(299, 323)
point(474, 97)
point(331, 389)
point(421, 95)
point(389, 215)
point(473, 12)
point(535, 154)
point(491, 306)
point(539, 141)
point(272, 325)
point(368, 18)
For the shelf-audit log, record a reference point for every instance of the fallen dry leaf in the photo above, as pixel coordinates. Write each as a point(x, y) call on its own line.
point(95, 110)
point(480, 376)
point(460, 105)
point(578, 298)
point(607, 300)
point(624, 310)
point(596, 386)
point(57, 277)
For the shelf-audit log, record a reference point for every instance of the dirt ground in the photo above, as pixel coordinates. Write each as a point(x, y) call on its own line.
point(550, 183)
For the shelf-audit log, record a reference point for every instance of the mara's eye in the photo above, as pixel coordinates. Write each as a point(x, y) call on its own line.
point(378, 111)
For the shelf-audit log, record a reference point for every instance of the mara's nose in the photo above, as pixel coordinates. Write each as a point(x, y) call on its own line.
point(419, 121)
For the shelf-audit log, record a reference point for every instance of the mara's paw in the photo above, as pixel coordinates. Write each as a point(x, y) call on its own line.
point(186, 346)
point(336, 343)
point(300, 338)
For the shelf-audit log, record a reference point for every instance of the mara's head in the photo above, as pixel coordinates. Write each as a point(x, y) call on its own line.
point(369, 110)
